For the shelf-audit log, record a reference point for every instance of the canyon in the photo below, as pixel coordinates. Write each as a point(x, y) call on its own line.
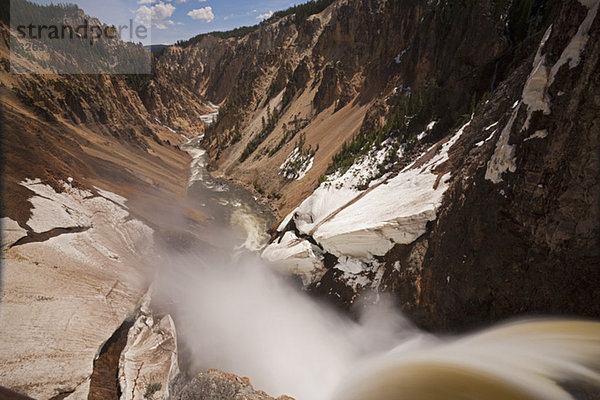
point(443, 155)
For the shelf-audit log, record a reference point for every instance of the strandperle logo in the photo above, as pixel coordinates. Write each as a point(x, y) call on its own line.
point(87, 31)
point(62, 39)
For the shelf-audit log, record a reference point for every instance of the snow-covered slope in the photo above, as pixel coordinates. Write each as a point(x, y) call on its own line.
point(360, 224)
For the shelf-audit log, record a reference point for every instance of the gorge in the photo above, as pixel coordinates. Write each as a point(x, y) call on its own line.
point(350, 199)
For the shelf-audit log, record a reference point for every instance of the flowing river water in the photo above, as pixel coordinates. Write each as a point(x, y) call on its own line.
point(236, 314)
point(226, 203)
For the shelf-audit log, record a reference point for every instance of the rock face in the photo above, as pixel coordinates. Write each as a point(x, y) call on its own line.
point(11, 233)
point(527, 243)
point(148, 362)
point(218, 385)
point(514, 227)
point(66, 289)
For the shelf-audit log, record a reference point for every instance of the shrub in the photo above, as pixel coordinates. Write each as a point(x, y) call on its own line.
point(151, 389)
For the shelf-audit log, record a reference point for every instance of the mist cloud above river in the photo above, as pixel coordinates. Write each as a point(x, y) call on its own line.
point(242, 318)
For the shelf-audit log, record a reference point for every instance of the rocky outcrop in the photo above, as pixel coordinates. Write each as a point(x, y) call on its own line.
point(219, 385)
point(528, 241)
point(148, 363)
point(64, 296)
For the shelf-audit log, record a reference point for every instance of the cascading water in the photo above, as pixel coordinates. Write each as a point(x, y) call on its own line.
point(522, 360)
point(235, 314)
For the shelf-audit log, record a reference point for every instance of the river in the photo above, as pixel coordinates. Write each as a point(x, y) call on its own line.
point(227, 203)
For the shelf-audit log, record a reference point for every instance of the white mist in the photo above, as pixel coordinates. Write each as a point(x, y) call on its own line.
point(244, 319)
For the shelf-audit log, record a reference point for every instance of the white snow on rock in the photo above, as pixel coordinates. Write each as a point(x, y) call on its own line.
point(296, 165)
point(481, 143)
point(64, 297)
point(358, 275)
point(361, 224)
point(427, 130)
point(11, 232)
point(398, 58)
point(572, 52)
point(350, 265)
point(148, 363)
point(535, 94)
point(542, 133)
point(503, 158)
point(487, 128)
point(296, 256)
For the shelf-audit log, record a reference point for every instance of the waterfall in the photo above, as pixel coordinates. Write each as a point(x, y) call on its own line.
point(522, 360)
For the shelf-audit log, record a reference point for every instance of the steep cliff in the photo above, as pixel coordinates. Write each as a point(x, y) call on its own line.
point(499, 218)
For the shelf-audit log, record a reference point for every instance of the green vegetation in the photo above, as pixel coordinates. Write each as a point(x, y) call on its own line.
point(67, 50)
point(258, 187)
point(234, 33)
point(298, 161)
point(525, 17)
point(288, 133)
point(303, 11)
point(409, 118)
point(267, 127)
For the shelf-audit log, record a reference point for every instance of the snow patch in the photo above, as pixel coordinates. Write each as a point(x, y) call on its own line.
point(427, 130)
point(538, 135)
point(296, 256)
point(535, 94)
point(572, 52)
point(481, 143)
point(398, 58)
point(297, 164)
point(494, 124)
point(503, 158)
point(349, 265)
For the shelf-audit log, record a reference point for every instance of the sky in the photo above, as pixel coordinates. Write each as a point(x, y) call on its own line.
point(171, 20)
